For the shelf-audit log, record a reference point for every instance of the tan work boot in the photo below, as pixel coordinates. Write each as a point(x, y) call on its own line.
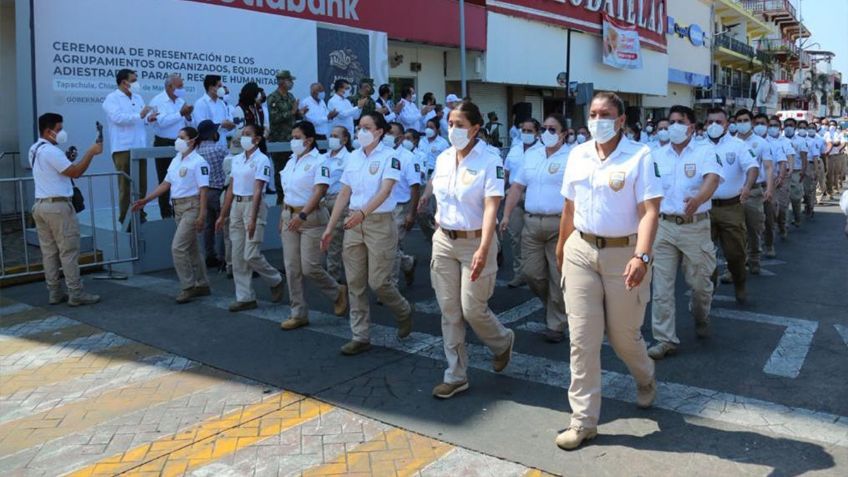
point(242, 306)
point(553, 336)
point(770, 253)
point(574, 436)
point(57, 296)
point(355, 347)
point(340, 306)
point(185, 296)
point(726, 277)
point(294, 323)
point(201, 291)
point(409, 275)
point(500, 361)
point(405, 325)
point(447, 390)
point(82, 298)
point(645, 395)
point(661, 350)
point(702, 329)
point(278, 291)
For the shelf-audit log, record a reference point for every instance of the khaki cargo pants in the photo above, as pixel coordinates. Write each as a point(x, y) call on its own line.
point(463, 301)
point(185, 247)
point(59, 240)
point(369, 256)
point(731, 234)
point(403, 261)
point(755, 224)
point(689, 246)
point(538, 249)
point(596, 301)
point(246, 254)
point(334, 254)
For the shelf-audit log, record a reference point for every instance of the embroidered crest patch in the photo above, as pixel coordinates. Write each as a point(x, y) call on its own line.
point(267, 170)
point(395, 163)
point(730, 157)
point(690, 170)
point(204, 170)
point(183, 171)
point(616, 180)
point(499, 171)
point(325, 171)
point(553, 168)
point(374, 167)
point(656, 170)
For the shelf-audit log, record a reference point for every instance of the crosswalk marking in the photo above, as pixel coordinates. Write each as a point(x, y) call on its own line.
point(791, 351)
point(843, 332)
point(681, 398)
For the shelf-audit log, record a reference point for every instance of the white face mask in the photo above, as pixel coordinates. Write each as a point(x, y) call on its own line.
point(181, 145)
point(760, 130)
point(581, 138)
point(603, 130)
point(365, 137)
point(429, 132)
point(346, 93)
point(414, 97)
point(629, 136)
point(649, 129)
point(246, 143)
point(389, 140)
point(733, 128)
point(408, 145)
point(334, 143)
point(321, 96)
point(459, 138)
point(355, 144)
point(259, 97)
point(802, 132)
point(528, 138)
point(179, 92)
point(678, 133)
point(715, 130)
point(550, 139)
point(297, 146)
point(773, 131)
point(62, 137)
point(811, 132)
point(570, 139)
point(663, 135)
point(135, 87)
point(743, 128)
point(789, 131)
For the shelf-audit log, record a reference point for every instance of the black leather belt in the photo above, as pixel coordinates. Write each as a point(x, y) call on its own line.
point(462, 234)
point(726, 202)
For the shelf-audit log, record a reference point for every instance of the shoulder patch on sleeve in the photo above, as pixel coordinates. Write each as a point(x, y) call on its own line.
point(267, 170)
point(417, 167)
point(500, 171)
point(656, 170)
point(204, 170)
point(753, 154)
point(718, 160)
point(395, 163)
point(325, 171)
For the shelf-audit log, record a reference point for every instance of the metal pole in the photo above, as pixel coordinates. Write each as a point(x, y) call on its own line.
point(567, 72)
point(712, 58)
point(462, 48)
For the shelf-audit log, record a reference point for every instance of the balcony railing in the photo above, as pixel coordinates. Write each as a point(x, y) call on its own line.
point(722, 91)
point(733, 44)
point(770, 6)
point(787, 88)
point(777, 46)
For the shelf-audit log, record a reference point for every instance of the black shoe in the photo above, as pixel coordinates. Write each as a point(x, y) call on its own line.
point(212, 262)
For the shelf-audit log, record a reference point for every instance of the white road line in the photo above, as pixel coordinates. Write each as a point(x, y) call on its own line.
point(539, 328)
point(521, 311)
point(13, 308)
point(791, 351)
point(717, 297)
point(51, 323)
point(843, 332)
point(792, 422)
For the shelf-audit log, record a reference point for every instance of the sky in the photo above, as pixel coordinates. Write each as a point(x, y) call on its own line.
point(827, 20)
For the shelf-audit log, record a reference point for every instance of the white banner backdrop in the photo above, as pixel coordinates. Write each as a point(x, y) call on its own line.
point(81, 44)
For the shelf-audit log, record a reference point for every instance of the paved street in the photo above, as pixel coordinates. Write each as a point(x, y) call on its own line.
point(137, 384)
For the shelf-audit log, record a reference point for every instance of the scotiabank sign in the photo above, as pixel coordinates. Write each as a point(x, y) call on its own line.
point(648, 16)
point(426, 21)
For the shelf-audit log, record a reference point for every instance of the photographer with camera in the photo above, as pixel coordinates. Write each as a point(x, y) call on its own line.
point(54, 214)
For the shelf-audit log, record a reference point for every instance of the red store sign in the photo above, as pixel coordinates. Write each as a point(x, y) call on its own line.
point(648, 16)
point(425, 21)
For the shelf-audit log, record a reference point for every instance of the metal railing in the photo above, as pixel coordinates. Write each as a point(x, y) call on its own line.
point(733, 44)
point(777, 45)
point(28, 268)
point(776, 6)
point(9, 166)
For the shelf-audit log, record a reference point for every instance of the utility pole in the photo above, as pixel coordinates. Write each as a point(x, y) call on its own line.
point(462, 48)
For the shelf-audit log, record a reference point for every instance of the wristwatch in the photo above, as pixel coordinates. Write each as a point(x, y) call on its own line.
point(301, 215)
point(644, 257)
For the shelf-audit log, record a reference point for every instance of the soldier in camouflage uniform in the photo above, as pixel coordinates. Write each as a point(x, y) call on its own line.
point(366, 89)
point(283, 111)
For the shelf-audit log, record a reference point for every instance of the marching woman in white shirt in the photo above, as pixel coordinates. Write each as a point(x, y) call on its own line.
point(187, 179)
point(305, 180)
point(339, 144)
point(246, 209)
point(468, 185)
point(370, 238)
point(540, 178)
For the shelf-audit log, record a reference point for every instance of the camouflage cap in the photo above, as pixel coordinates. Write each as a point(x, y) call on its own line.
point(285, 74)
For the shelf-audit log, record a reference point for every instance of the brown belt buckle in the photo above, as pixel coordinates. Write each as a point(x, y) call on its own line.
point(452, 234)
point(600, 242)
point(680, 220)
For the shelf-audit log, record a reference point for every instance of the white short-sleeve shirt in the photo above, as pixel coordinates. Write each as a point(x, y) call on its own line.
point(542, 175)
point(410, 175)
point(762, 150)
point(814, 147)
point(778, 153)
point(682, 175)
point(461, 189)
point(47, 166)
point(246, 170)
point(606, 194)
point(336, 164)
point(799, 144)
point(187, 175)
point(736, 159)
point(365, 175)
point(515, 157)
point(300, 176)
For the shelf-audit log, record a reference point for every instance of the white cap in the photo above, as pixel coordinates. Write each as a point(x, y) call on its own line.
point(452, 98)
